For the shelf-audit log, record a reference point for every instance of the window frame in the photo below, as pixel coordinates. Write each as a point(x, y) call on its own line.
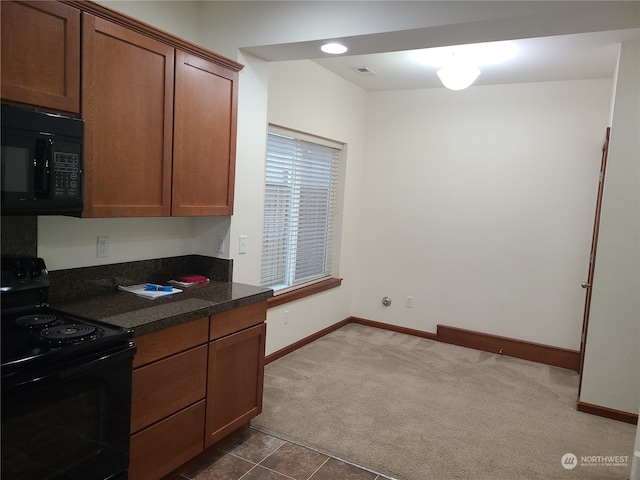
point(296, 291)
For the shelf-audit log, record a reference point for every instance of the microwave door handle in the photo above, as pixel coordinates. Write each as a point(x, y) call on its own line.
point(42, 171)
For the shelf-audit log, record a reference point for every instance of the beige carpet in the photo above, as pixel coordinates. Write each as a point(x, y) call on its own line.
point(416, 409)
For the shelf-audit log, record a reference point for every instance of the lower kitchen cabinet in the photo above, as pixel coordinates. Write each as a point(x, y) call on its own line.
point(193, 384)
point(166, 445)
point(236, 373)
point(168, 399)
point(166, 386)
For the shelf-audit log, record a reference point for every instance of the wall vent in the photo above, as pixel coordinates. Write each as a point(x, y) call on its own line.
point(365, 71)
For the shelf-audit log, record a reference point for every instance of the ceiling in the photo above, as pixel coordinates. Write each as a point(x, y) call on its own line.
point(567, 41)
point(557, 58)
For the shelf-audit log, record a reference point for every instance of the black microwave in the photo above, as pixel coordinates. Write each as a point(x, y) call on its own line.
point(42, 163)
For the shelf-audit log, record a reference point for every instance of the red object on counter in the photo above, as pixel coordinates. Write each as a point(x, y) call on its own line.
point(192, 279)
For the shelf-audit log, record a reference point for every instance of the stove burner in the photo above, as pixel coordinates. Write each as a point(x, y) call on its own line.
point(35, 320)
point(69, 333)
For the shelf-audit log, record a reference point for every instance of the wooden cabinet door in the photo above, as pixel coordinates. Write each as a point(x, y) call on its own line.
point(41, 54)
point(127, 104)
point(235, 381)
point(206, 100)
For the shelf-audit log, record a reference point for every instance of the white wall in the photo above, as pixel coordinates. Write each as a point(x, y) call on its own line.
point(66, 242)
point(612, 358)
point(180, 18)
point(479, 204)
point(250, 157)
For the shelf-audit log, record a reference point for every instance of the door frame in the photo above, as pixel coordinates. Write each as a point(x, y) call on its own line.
point(588, 285)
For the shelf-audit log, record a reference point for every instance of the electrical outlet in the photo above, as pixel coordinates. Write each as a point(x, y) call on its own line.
point(242, 244)
point(285, 319)
point(219, 243)
point(102, 247)
point(408, 302)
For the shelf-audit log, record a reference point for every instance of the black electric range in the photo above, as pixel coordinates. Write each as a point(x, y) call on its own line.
point(66, 385)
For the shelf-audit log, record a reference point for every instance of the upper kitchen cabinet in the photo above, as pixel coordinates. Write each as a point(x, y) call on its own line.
point(41, 55)
point(160, 117)
point(127, 104)
point(206, 99)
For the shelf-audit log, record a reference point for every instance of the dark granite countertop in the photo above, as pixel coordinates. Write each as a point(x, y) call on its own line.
point(92, 292)
point(145, 315)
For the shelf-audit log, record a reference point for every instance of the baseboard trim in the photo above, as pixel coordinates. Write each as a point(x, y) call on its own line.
point(535, 352)
point(607, 412)
point(393, 328)
point(362, 321)
point(301, 343)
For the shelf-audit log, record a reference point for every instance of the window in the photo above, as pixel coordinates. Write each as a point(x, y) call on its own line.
point(299, 209)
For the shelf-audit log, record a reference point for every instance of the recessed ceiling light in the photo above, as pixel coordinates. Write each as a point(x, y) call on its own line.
point(333, 48)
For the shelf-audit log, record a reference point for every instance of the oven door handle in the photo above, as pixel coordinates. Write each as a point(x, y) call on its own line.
point(68, 369)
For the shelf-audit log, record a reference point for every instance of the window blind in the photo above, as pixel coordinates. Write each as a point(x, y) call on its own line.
point(300, 208)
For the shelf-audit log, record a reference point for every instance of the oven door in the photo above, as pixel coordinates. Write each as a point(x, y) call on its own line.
point(69, 421)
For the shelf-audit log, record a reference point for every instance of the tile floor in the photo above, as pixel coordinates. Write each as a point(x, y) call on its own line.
point(254, 455)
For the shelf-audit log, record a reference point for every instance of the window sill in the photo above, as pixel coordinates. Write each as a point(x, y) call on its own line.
point(302, 292)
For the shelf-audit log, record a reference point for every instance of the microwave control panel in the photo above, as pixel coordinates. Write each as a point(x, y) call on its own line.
point(66, 174)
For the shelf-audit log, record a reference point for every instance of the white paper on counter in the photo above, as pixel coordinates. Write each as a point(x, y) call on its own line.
point(184, 284)
point(152, 294)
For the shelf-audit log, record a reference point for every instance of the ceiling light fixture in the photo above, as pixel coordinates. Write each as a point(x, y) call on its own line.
point(458, 76)
point(333, 48)
point(458, 65)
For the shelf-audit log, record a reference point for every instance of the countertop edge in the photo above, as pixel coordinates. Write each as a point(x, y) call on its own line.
point(150, 317)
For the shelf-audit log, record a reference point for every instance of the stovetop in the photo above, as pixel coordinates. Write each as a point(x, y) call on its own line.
point(46, 336)
point(32, 333)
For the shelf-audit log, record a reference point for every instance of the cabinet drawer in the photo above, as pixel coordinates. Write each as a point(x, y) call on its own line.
point(165, 446)
point(232, 321)
point(163, 343)
point(164, 387)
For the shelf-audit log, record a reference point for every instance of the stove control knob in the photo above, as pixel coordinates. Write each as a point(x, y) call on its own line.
point(35, 272)
point(20, 273)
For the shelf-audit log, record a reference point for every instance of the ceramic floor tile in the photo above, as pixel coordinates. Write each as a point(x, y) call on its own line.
point(251, 445)
point(225, 467)
point(199, 463)
point(254, 455)
point(335, 469)
point(295, 461)
point(261, 473)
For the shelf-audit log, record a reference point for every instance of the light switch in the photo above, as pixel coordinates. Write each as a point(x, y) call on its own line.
point(242, 245)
